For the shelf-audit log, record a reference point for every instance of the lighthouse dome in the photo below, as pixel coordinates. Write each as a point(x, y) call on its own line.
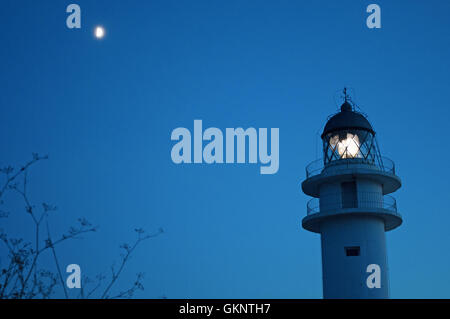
point(347, 119)
point(349, 135)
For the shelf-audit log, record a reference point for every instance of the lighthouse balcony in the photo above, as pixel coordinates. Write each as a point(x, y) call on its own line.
point(318, 167)
point(366, 204)
point(365, 200)
point(381, 171)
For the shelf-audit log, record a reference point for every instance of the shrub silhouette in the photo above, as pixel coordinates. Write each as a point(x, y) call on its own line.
point(20, 275)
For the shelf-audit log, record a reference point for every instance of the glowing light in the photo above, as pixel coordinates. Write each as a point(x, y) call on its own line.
point(348, 147)
point(99, 32)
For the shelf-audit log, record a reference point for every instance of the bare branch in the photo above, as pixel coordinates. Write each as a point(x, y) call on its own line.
point(128, 250)
point(50, 244)
point(22, 278)
point(8, 170)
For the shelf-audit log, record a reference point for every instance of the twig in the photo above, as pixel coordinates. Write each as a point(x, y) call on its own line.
point(56, 262)
point(129, 250)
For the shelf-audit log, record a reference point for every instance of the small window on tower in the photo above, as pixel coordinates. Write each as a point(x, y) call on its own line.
point(352, 251)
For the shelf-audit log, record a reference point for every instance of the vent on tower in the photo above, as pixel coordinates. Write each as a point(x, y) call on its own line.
point(352, 251)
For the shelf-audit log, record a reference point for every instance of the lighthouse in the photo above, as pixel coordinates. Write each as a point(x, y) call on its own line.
point(351, 207)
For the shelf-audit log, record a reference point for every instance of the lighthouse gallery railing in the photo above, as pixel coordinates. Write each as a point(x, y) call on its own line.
point(364, 200)
point(385, 165)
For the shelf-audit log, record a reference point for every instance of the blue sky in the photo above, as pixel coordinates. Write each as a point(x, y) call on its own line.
point(104, 111)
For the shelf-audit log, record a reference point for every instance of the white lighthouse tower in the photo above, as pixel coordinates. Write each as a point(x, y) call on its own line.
point(351, 208)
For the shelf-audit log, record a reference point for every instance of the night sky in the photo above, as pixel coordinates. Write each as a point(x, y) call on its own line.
point(103, 110)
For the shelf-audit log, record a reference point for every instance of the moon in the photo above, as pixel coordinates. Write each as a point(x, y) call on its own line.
point(99, 32)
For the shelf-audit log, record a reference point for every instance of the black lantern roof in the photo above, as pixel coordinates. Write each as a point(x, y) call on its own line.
point(347, 118)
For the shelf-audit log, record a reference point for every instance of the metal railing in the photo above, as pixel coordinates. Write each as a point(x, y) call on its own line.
point(370, 200)
point(384, 164)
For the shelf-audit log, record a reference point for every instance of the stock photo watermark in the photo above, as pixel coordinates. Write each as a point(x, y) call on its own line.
point(213, 152)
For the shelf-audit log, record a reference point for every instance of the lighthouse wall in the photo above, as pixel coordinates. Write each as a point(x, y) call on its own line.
point(352, 240)
point(344, 275)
